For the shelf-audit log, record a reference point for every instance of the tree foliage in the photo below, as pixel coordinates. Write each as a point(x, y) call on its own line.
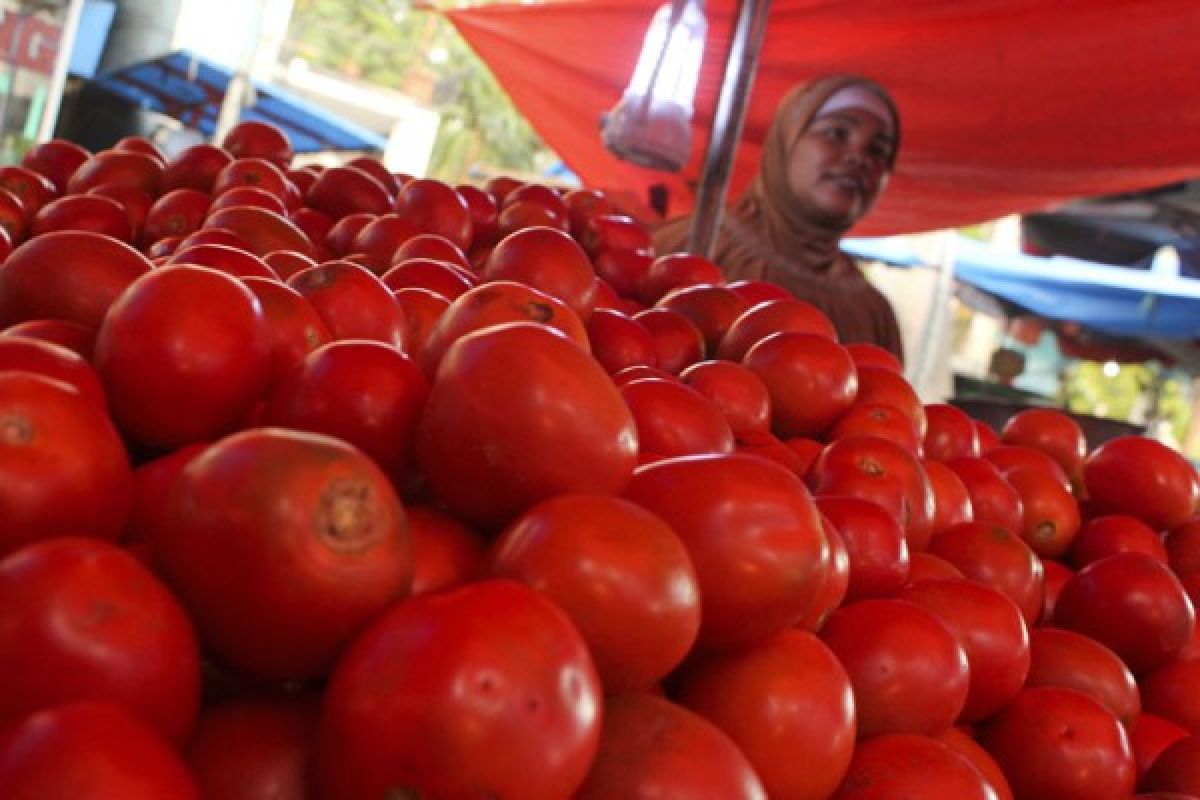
point(386, 43)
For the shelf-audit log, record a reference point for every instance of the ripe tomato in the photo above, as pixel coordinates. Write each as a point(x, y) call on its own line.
point(445, 552)
point(623, 270)
point(1071, 660)
point(83, 212)
point(966, 746)
point(352, 302)
point(294, 329)
point(283, 546)
point(770, 317)
point(673, 271)
point(485, 214)
point(874, 542)
point(486, 689)
point(833, 588)
point(42, 357)
point(712, 309)
point(223, 258)
point(651, 748)
point(875, 419)
point(98, 747)
point(432, 246)
point(1131, 603)
point(992, 633)
point(600, 232)
point(1177, 768)
point(341, 191)
point(887, 387)
point(1149, 736)
point(618, 341)
point(1055, 577)
point(547, 260)
point(1117, 533)
point(1173, 692)
point(738, 394)
point(258, 138)
point(1051, 431)
point(1049, 513)
point(988, 438)
point(248, 196)
point(865, 353)
point(1143, 478)
point(1182, 544)
point(678, 343)
point(900, 765)
point(553, 421)
point(63, 468)
point(253, 172)
point(116, 167)
point(997, 557)
point(673, 419)
point(175, 213)
point(422, 309)
point(949, 434)
point(56, 160)
point(810, 378)
point(909, 672)
point(195, 167)
point(426, 273)
point(621, 574)
point(923, 566)
point(287, 263)
point(1061, 743)
point(754, 537)
point(262, 230)
point(81, 619)
point(151, 489)
point(256, 747)
point(436, 207)
point(380, 239)
point(993, 499)
point(951, 501)
point(1008, 457)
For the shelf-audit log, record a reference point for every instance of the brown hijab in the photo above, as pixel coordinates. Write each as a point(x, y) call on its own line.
point(764, 236)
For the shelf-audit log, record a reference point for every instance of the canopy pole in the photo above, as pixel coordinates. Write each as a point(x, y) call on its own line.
point(728, 120)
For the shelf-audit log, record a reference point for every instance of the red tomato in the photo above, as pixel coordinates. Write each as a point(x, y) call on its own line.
point(426, 273)
point(678, 343)
point(195, 167)
point(608, 230)
point(294, 329)
point(754, 536)
point(618, 342)
point(786, 703)
point(445, 552)
point(770, 317)
point(810, 378)
point(1143, 478)
point(1149, 736)
point(988, 438)
point(1051, 431)
point(1116, 533)
point(438, 208)
point(484, 213)
point(875, 419)
point(71, 275)
point(116, 167)
point(738, 394)
point(352, 302)
point(992, 633)
point(42, 357)
point(767, 445)
point(651, 748)
point(874, 542)
point(341, 236)
point(152, 482)
point(553, 420)
point(887, 387)
point(377, 170)
point(262, 230)
point(13, 218)
point(1061, 743)
point(253, 172)
point(965, 746)
point(283, 545)
point(637, 372)
point(160, 399)
point(993, 498)
point(1049, 513)
point(950, 433)
point(547, 260)
point(521, 214)
point(486, 689)
point(909, 672)
point(247, 196)
point(341, 191)
point(380, 240)
point(56, 160)
point(1008, 457)
point(422, 309)
point(1182, 545)
point(1177, 768)
point(176, 213)
point(925, 566)
point(902, 765)
point(224, 258)
point(255, 748)
point(997, 557)
point(431, 245)
point(287, 263)
point(1055, 577)
point(81, 619)
point(63, 468)
point(621, 574)
point(1173, 692)
point(951, 501)
point(1070, 660)
point(712, 309)
point(865, 353)
point(258, 138)
point(100, 748)
point(622, 269)
point(32, 189)
point(83, 212)
point(835, 583)
point(673, 419)
point(1131, 603)
point(363, 392)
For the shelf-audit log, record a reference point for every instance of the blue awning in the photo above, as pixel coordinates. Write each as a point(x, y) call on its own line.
point(190, 88)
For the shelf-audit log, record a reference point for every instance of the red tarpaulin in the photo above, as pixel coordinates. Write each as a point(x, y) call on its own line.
point(1007, 105)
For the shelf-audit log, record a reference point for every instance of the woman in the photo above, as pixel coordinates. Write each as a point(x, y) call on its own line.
point(826, 157)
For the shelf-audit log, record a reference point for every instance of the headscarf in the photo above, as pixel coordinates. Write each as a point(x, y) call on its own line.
point(764, 236)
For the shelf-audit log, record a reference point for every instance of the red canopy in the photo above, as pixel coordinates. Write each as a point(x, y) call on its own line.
point(1007, 105)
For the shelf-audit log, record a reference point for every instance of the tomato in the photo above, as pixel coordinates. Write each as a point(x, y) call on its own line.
point(754, 536)
point(261, 229)
point(486, 689)
point(600, 232)
point(1049, 513)
point(875, 419)
point(32, 189)
point(223, 258)
point(256, 747)
point(1173, 692)
point(1055, 577)
point(214, 236)
point(76, 337)
point(992, 633)
point(283, 545)
point(738, 394)
point(1051, 431)
point(445, 552)
point(621, 574)
point(1008, 457)
point(673, 419)
point(553, 421)
point(83, 212)
point(997, 557)
point(363, 392)
point(865, 353)
point(1149, 736)
point(175, 213)
point(287, 263)
point(496, 303)
point(770, 317)
point(119, 167)
point(618, 341)
point(788, 705)
point(909, 673)
point(902, 765)
point(151, 489)
point(63, 468)
point(833, 588)
point(993, 499)
point(259, 138)
point(652, 748)
point(678, 343)
point(195, 167)
point(340, 237)
point(1177, 768)
point(673, 271)
point(377, 170)
point(810, 378)
point(344, 190)
point(56, 159)
point(442, 277)
point(42, 357)
point(538, 194)
point(294, 329)
point(436, 207)
point(70, 275)
point(422, 309)
point(1116, 533)
point(951, 501)
point(950, 433)
point(247, 196)
point(924, 566)
point(100, 748)
point(1142, 478)
point(622, 269)
point(352, 302)
point(521, 214)
point(380, 239)
point(81, 619)
point(885, 386)
point(253, 172)
point(874, 542)
point(1060, 743)
point(13, 217)
point(965, 746)
point(432, 246)
point(1182, 544)
point(484, 213)
point(547, 260)
point(712, 309)
point(988, 438)
point(1070, 660)
point(1131, 603)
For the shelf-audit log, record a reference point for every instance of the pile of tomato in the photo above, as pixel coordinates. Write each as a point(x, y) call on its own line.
point(338, 484)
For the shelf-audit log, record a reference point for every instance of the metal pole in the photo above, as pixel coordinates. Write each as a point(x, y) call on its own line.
point(728, 119)
point(58, 78)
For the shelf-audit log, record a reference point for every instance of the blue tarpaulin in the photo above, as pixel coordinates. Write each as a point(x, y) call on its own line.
point(190, 88)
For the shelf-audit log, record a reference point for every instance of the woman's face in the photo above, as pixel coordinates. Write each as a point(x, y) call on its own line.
point(839, 164)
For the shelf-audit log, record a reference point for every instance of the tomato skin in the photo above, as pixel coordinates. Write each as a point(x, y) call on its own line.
point(811, 380)
point(81, 619)
point(1131, 603)
point(876, 419)
point(997, 557)
point(548, 260)
point(436, 207)
point(352, 302)
point(1173, 692)
point(41, 357)
point(446, 553)
point(992, 633)
point(651, 748)
point(256, 747)
point(1049, 513)
point(256, 138)
point(619, 572)
point(909, 672)
point(754, 537)
point(459, 694)
point(283, 545)
point(673, 419)
point(738, 394)
point(618, 341)
point(1182, 545)
point(74, 336)
point(1177, 768)
point(833, 587)
point(951, 502)
point(1069, 660)
point(677, 341)
point(674, 271)
point(1061, 743)
point(788, 705)
point(294, 329)
point(1150, 736)
point(966, 746)
point(63, 468)
point(1143, 478)
point(577, 437)
point(903, 765)
point(875, 547)
point(712, 309)
point(769, 317)
point(949, 433)
point(993, 498)
point(1051, 431)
